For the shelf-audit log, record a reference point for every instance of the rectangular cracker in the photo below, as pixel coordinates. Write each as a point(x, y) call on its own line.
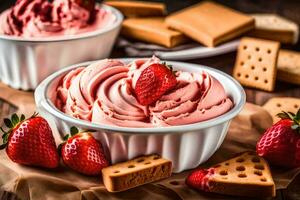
point(256, 63)
point(288, 66)
point(210, 23)
point(136, 172)
point(139, 8)
point(152, 30)
point(274, 27)
point(278, 104)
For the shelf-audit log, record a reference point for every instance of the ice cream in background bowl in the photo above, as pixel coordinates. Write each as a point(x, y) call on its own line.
point(40, 18)
point(38, 37)
point(186, 125)
point(103, 93)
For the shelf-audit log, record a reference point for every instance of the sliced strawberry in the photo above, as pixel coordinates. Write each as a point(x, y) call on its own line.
point(30, 141)
point(153, 83)
point(83, 153)
point(199, 179)
point(280, 144)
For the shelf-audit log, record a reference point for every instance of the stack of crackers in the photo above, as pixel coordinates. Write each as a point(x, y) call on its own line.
point(148, 22)
point(207, 22)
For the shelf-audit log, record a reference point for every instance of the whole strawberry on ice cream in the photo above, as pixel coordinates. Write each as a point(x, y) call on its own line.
point(280, 144)
point(83, 153)
point(154, 82)
point(30, 141)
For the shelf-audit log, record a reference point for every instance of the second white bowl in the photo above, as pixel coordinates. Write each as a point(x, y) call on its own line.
point(24, 63)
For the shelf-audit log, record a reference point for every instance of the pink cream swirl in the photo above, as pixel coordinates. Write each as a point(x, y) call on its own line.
point(198, 97)
point(103, 93)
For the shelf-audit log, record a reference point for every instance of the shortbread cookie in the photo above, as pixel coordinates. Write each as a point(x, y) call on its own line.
point(152, 30)
point(210, 23)
point(245, 175)
point(256, 63)
point(278, 104)
point(288, 66)
point(133, 173)
point(139, 8)
point(274, 27)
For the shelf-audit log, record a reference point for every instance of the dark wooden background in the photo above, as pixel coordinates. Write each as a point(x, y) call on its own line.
point(287, 8)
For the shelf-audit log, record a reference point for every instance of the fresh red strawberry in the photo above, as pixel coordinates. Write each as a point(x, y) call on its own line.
point(154, 82)
point(83, 153)
point(87, 4)
point(30, 141)
point(280, 144)
point(199, 179)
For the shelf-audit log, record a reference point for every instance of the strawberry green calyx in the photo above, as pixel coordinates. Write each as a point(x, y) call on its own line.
point(295, 118)
point(11, 123)
point(170, 67)
point(73, 131)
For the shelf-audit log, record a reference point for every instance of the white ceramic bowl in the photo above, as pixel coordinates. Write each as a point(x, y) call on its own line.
point(24, 62)
point(187, 145)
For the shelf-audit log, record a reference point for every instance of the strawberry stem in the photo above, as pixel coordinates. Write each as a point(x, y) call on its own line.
point(3, 146)
point(3, 130)
point(15, 119)
point(66, 137)
point(8, 123)
point(291, 116)
point(74, 130)
point(11, 124)
point(33, 115)
point(22, 118)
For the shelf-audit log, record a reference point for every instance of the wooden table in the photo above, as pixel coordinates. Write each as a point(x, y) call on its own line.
point(15, 100)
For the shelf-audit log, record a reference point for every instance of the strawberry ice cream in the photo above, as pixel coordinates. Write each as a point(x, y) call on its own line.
point(43, 18)
point(103, 93)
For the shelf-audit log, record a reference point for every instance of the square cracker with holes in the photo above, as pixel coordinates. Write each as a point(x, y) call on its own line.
point(278, 104)
point(244, 175)
point(136, 172)
point(210, 23)
point(256, 63)
point(288, 66)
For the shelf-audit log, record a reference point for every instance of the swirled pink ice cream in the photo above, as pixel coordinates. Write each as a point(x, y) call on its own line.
point(103, 93)
point(44, 18)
